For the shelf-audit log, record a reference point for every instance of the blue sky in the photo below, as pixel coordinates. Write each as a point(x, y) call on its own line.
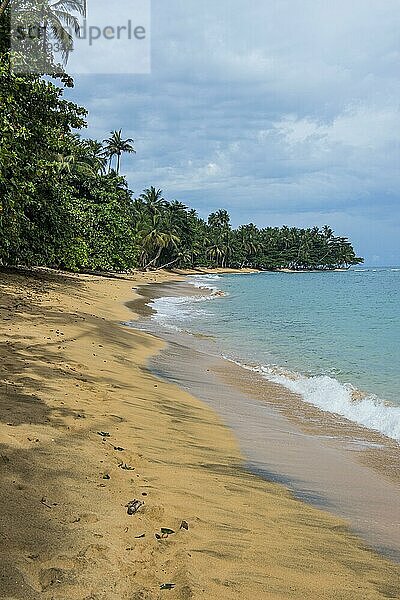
point(280, 111)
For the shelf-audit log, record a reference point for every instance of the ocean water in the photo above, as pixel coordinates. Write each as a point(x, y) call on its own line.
point(333, 338)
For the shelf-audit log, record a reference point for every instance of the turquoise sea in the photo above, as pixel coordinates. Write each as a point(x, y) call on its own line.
point(332, 337)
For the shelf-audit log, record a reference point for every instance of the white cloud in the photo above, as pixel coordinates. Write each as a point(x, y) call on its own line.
point(269, 108)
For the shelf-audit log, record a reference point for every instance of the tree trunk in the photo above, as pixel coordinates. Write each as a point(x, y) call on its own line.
point(168, 264)
point(155, 259)
point(3, 6)
point(118, 163)
point(44, 38)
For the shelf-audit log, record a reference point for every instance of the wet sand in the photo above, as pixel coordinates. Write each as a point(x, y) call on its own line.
point(325, 459)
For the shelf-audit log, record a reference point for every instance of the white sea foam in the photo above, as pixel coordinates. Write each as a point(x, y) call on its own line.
point(329, 394)
point(204, 281)
point(173, 311)
point(323, 391)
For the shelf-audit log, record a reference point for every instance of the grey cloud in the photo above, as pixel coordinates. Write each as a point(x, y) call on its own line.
point(273, 109)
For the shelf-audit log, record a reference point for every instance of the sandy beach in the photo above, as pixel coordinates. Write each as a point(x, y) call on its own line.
point(86, 429)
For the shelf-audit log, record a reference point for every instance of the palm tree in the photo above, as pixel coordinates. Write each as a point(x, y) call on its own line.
point(154, 239)
point(219, 224)
point(96, 155)
point(115, 146)
point(219, 220)
point(153, 200)
point(248, 236)
point(57, 17)
point(73, 164)
point(327, 232)
point(216, 254)
point(82, 157)
point(65, 164)
point(184, 257)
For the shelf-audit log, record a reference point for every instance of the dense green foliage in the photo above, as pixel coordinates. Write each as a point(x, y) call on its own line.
point(63, 205)
point(170, 233)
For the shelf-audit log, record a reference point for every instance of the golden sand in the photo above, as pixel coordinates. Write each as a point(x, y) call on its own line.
point(70, 372)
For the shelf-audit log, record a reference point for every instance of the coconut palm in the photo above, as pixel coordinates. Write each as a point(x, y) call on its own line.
point(116, 146)
point(154, 239)
point(85, 157)
point(73, 164)
point(220, 230)
point(219, 220)
point(184, 256)
point(327, 231)
point(248, 238)
point(153, 200)
point(56, 18)
point(216, 254)
point(95, 155)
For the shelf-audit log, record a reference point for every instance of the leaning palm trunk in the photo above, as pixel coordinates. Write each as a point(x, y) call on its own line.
point(3, 6)
point(154, 260)
point(172, 262)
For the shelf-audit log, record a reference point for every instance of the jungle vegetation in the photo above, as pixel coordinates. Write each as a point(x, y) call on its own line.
point(65, 204)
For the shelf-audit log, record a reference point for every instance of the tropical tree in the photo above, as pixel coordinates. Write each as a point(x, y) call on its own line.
point(60, 208)
point(152, 201)
point(220, 237)
point(36, 126)
point(246, 245)
point(116, 146)
point(55, 20)
point(154, 238)
point(59, 18)
point(95, 155)
point(219, 220)
point(216, 254)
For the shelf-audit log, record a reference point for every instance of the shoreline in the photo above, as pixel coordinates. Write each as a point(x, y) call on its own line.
point(357, 407)
point(368, 458)
point(70, 371)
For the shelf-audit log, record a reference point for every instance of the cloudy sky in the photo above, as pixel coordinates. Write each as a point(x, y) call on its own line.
point(281, 111)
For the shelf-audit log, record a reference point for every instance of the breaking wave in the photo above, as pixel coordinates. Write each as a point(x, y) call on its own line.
point(173, 312)
point(330, 395)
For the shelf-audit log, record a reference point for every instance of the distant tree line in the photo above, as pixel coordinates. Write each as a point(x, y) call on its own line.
point(64, 204)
